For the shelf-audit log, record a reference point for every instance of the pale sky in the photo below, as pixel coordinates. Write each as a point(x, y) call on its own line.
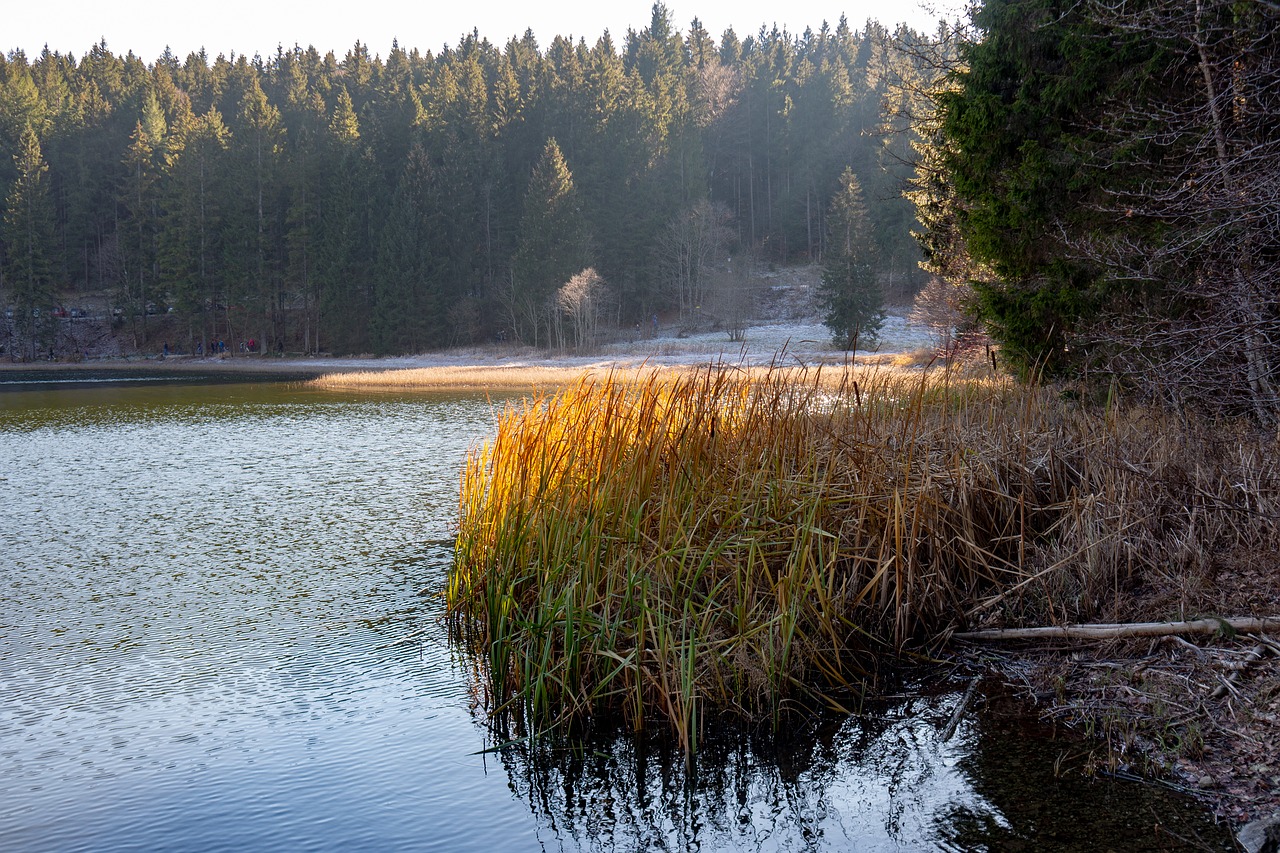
point(242, 26)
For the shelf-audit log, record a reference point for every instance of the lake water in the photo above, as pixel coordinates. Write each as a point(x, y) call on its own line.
point(202, 590)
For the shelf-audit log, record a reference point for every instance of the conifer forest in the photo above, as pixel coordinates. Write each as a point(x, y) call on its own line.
point(387, 204)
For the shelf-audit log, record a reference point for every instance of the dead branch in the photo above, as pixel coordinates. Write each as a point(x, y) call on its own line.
point(1245, 625)
point(1229, 683)
point(960, 709)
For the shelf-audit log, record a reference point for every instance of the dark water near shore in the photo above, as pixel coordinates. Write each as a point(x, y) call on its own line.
point(201, 590)
point(71, 377)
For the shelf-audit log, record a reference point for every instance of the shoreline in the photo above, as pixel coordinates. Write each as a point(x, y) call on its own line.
point(195, 364)
point(795, 343)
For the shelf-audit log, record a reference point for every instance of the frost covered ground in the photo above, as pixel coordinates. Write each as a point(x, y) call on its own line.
point(787, 342)
point(787, 332)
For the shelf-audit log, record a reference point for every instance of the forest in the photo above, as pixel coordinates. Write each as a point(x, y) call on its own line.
point(316, 203)
point(1098, 187)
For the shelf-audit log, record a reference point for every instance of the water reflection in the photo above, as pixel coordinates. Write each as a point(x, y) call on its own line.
point(1036, 804)
point(882, 780)
point(64, 379)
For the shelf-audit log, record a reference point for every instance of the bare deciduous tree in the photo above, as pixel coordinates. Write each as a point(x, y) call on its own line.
point(945, 307)
point(731, 298)
point(580, 300)
point(692, 245)
point(1194, 250)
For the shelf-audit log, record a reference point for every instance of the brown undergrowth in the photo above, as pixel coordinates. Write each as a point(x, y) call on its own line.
point(1202, 713)
point(718, 541)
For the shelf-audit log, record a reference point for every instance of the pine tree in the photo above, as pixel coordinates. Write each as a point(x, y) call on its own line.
point(254, 251)
point(21, 108)
point(407, 315)
point(344, 234)
point(1015, 128)
point(850, 294)
point(305, 117)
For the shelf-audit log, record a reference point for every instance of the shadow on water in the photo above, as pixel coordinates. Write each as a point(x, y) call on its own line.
point(880, 780)
point(87, 378)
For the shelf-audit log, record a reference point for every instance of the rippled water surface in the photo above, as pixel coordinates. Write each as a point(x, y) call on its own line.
point(201, 592)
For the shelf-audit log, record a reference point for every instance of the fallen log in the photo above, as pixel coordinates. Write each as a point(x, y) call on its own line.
point(1236, 625)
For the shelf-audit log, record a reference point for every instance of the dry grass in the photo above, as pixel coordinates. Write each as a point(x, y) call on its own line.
point(526, 378)
point(465, 378)
point(711, 541)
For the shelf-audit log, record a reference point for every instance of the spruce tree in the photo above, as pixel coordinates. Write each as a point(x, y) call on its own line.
point(1016, 132)
point(850, 294)
point(254, 224)
point(28, 236)
point(553, 244)
point(344, 254)
point(192, 231)
point(139, 204)
point(407, 309)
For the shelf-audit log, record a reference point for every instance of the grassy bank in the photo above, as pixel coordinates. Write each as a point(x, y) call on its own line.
point(708, 542)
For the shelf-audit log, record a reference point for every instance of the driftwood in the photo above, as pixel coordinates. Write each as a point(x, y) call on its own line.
point(959, 711)
point(1237, 625)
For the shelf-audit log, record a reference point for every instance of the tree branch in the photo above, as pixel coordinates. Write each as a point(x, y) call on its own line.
point(1246, 625)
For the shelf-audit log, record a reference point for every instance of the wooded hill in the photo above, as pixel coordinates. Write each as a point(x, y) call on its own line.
point(421, 200)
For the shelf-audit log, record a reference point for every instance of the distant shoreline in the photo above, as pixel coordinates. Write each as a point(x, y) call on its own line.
point(512, 366)
point(185, 364)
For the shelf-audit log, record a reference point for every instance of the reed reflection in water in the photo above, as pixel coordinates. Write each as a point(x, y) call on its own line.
point(879, 781)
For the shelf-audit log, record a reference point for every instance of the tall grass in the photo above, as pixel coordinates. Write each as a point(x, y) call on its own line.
point(719, 541)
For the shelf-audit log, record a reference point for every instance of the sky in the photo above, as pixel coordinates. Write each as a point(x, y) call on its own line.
point(146, 27)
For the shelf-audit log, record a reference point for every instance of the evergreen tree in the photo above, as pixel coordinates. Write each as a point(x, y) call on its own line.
point(305, 118)
point(407, 309)
point(28, 234)
point(139, 202)
point(553, 245)
point(255, 214)
point(850, 294)
point(192, 234)
point(344, 234)
point(21, 108)
point(1016, 129)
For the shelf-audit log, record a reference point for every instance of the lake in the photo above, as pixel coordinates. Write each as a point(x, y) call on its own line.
point(219, 631)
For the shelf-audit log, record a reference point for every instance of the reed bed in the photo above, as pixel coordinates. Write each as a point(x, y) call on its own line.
point(682, 545)
point(533, 378)
point(459, 378)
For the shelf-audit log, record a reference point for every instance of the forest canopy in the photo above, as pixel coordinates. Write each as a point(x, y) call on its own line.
point(420, 200)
